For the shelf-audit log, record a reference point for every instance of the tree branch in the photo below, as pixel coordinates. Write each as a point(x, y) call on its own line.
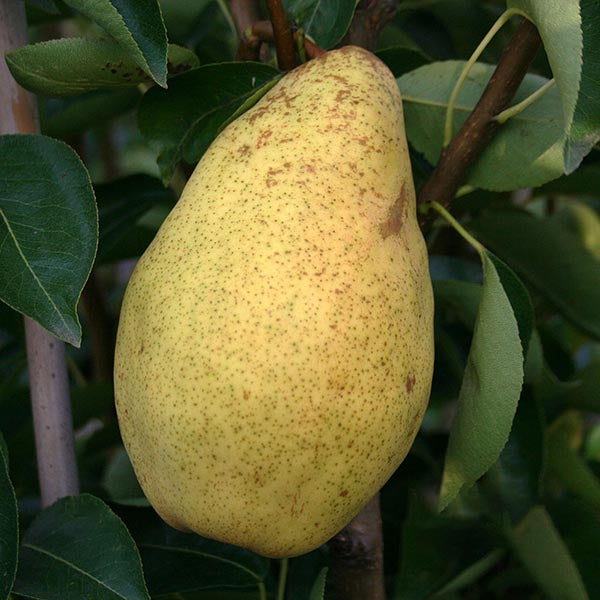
point(479, 129)
point(284, 43)
point(49, 385)
point(369, 19)
point(358, 556)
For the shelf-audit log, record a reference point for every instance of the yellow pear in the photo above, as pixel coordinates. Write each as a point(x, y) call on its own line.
point(275, 348)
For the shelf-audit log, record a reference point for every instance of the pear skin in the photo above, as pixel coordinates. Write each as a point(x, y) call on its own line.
point(275, 347)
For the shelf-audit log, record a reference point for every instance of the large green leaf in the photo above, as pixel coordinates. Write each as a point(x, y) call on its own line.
point(550, 258)
point(541, 549)
point(69, 66)
point(490, 390)
point(182, 121)
point(48, 231)
point(9, 527)
point(137, 26)
point(176, 562)
point(326, 21)
point(526, 151)
point(76, 549)
point(570, 31)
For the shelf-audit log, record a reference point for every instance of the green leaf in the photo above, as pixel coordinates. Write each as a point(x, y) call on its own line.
point(539, 546)
point(120, 481)
point(569, 466)
point(176, 562)
point(527, 150)
point(490, 390)
point(137, 26)
point(571, 35)
point(402, 59)
point(65, 117)
point(318, 589)
point(182, 121)
point(121, 203)
point(9, 527)
point(550, 258)
point(69, 66)
point(326, 21)
point(48, 231)
point(519, 300)
point(78, 548)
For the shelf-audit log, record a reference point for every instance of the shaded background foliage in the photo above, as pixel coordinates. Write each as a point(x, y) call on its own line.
point(517, 323)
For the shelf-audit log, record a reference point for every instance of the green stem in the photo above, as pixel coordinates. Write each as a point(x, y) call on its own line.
point(300, 45)
point(502, 19)
point(262, 591)
point(511, 111)
point(282, 579)
point(458, 227)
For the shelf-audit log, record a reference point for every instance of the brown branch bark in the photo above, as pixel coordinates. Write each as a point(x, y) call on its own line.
point(369, 19)
point(49, 385)
point(357, 553)
point(284, 43)
point(479, 129)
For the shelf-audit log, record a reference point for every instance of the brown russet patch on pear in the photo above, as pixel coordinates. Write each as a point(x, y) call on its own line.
point(263, 137)
point(410, 383)
point(396, 215)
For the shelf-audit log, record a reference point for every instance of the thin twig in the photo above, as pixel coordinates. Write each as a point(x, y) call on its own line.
point(358, 556)
point(481, 125)
point(284, 43)
point(57, 468)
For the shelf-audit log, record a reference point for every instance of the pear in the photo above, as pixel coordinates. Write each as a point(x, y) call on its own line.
point(275, 346)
